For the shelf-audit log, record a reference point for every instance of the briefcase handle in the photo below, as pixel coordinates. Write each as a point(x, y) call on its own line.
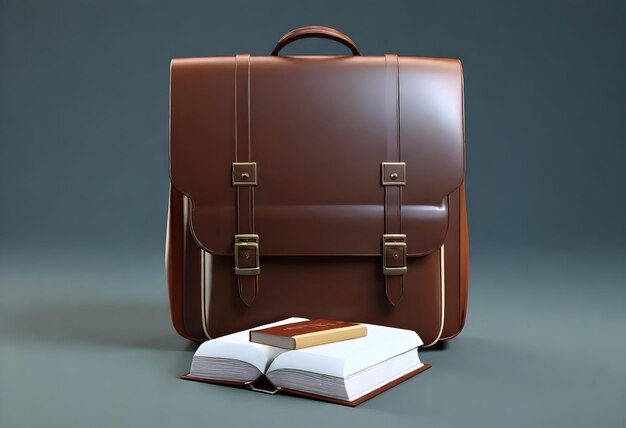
point(315, 31)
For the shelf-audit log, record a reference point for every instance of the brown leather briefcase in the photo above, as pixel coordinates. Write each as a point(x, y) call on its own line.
point(317, 186)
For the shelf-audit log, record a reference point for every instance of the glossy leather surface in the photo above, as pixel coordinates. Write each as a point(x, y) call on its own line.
point(310, 285)
point(318, 129)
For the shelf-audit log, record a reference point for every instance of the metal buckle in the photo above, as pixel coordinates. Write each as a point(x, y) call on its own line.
point(394, 254)
point(247, 254)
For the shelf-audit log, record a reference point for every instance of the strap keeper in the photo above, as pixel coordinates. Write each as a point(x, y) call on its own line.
point(247, 254)
point(394, 254)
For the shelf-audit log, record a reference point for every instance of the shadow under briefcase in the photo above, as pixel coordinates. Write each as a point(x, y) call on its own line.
point(317, 186)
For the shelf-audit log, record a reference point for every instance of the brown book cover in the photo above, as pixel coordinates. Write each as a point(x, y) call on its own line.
point(308, 333)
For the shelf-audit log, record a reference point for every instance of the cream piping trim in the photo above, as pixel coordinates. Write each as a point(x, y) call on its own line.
point(203, 270)
point(205, 295)
point(442, 282)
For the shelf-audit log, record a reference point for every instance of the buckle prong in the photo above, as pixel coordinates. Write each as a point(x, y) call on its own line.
point(394, 254)
point(247, 254)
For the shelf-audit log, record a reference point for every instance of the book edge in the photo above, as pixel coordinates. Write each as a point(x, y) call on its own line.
point(288, 391)
point(275, 345)
point(307, 340)
point(365, 397)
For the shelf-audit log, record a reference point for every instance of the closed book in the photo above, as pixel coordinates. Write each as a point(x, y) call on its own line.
point(303, 334)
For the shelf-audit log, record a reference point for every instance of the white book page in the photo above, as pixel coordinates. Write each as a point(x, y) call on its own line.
point(343, 359)
point(237, 346)
point(377, 376)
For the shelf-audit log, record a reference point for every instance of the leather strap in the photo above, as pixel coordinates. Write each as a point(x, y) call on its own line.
point(315, 31)
point(248, 285)
point(393, 194)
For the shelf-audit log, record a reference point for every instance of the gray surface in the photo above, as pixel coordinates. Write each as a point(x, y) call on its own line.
point(85, 338)
point(92, 346)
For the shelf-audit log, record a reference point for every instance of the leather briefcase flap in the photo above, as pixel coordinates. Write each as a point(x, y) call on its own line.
point(318, 129)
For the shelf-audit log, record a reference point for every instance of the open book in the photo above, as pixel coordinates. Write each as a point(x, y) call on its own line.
point(347, 372)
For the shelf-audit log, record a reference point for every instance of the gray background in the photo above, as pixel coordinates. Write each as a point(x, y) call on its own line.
point(85, 338)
